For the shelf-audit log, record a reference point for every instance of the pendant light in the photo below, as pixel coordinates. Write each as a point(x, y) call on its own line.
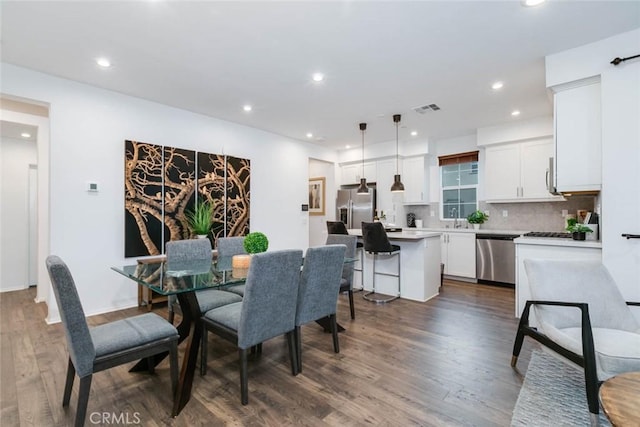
point(397, 186)
point(363, 189)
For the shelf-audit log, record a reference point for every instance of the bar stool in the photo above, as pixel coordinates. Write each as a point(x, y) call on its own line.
point(338, 227)
point(377, 243)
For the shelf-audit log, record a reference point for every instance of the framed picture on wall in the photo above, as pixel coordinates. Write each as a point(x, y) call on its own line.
point(316, 196)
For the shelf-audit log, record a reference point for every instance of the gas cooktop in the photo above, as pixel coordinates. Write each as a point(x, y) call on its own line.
point(547, 234)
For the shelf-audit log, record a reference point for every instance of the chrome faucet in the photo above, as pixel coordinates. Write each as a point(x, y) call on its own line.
point(454, 214)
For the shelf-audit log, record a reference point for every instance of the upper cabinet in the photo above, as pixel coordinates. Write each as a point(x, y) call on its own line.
point(578, 138)
point(414, 178)
point(352, 173)
point(518, 172)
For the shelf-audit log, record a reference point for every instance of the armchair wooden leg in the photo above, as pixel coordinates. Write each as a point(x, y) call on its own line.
point(71, 374)
point(83, 400)
point(244, 380)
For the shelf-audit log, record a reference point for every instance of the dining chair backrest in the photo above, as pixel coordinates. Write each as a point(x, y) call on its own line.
point(319, 283)
point(336, 227)
point(269, 303)
point(188, 250)
point(350, 243)
point(229, 246)
point(80, 345)
point(375, 237)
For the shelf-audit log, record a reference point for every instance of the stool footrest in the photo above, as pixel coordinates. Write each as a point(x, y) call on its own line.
point(383, 300)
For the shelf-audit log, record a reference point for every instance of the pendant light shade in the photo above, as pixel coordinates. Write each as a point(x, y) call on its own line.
point(397, 186)
point(363, 189)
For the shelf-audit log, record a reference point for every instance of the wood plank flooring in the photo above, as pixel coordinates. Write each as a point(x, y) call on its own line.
point(440, 363)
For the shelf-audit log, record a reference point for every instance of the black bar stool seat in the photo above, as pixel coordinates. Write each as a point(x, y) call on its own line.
point(377, 243)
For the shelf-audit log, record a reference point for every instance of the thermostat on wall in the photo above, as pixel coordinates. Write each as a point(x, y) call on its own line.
point(92, 187)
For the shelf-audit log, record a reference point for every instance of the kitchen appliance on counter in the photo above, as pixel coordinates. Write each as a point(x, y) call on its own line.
point(496, 258)
point(353, 208)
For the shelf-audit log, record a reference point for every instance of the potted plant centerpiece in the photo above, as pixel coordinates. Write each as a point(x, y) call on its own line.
point(253, 243)
point(200, 219)
point(577, 230)
point(476, 218)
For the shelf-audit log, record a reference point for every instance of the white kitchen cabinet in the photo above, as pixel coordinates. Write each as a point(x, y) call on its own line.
point(414, 178)
point(384, 198)
point(518, 172)
point(459, 254)
point(578, 138)
point(352, 173)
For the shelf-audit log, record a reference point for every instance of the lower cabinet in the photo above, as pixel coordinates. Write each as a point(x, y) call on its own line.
point(459, 254)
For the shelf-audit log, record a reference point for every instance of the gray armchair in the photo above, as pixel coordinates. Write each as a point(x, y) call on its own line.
point(583, 317)
point(101, 347)
point(318, 291)
point(228, 247)
point(267, 310)
point(346, 284)
point(188, 251)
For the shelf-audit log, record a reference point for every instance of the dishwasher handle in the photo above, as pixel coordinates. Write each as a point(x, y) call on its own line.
point(496, 236)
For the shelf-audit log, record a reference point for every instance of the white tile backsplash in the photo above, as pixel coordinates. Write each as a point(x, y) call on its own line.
point(542, 216)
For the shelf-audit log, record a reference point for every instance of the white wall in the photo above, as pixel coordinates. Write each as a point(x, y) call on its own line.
point(620, 99)
point(15, 157)
point(88, 127)
point(318, 223)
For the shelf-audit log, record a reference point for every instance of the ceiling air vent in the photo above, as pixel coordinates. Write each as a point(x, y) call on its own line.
point(426, 108)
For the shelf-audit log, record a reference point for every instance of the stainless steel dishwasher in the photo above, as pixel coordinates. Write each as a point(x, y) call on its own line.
point(496, 258)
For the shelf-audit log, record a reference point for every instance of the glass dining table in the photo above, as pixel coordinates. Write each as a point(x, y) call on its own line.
point(182, 279)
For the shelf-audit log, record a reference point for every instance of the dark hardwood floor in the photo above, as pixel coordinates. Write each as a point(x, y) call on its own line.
point(444, 362)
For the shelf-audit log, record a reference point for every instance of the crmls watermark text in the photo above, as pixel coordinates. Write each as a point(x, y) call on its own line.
point(115, 418)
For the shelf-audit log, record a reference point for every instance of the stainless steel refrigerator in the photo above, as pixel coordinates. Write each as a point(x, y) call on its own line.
point(353, 208)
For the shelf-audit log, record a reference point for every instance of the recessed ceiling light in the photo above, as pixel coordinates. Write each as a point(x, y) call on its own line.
point(515, 113)
point(247, 108)
point(347, 146)
point(531, 3)
point(25, 135)
point(497, 85)
point(103, 62)
point(414, 133)
point(309, 135)
point(317, 77)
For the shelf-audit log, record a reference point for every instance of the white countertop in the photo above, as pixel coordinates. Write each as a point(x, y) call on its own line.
point(405, 234)
point(469, 230)
point(550, 241)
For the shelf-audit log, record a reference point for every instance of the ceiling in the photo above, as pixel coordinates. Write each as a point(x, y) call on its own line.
point(17, 130)
point(379, 58)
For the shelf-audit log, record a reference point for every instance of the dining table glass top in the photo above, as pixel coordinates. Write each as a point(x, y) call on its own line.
point(171, 277)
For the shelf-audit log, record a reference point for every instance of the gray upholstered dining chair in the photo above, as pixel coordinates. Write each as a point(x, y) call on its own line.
point(102, 347)
point(267, 310)
point(583, 317)
point(228, 247)
point(181, 251)
point(339, 227)
point(318, 291)
point(346, 284)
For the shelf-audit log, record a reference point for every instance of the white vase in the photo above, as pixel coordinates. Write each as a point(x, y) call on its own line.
point(476, 226)
point(201, 236)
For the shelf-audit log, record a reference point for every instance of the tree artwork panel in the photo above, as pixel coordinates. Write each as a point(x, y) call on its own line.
point(238, 196)
point(179, 191)
point(211, 188)
point(143, 202)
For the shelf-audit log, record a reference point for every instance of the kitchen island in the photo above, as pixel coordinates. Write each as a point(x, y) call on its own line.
point(419, 264)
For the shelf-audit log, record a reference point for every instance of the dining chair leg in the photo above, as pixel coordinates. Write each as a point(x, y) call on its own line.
point(68, 385)
point(292, 344)
point(203, 353)
point(150, 365)
point(83, 400)
point(351, 307)
point(244, 380)
point(334, 332)
point(173, 368)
